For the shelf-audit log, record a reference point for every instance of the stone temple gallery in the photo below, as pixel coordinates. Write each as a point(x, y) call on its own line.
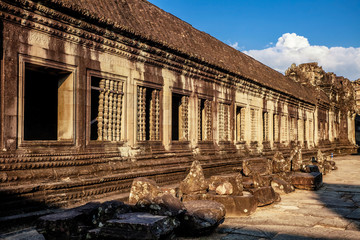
point(96, 93)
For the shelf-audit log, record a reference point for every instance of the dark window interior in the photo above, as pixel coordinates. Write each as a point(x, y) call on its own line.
point(202, 123)
point(148, 111)
point(94, 108)
point(176, 102)
point(41, 101)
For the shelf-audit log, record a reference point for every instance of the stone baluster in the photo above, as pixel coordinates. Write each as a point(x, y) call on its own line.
point(199, 120)
point(110, 114)
point(221, 121)
point(208, 113)
point(100, 118)
point(157, 115)
point(106, 110)
point(115, 109)
point(184, 116)
point(119, 110)
point(139, 113)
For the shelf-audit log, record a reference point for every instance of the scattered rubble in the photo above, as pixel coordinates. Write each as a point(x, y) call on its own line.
point(195, 208)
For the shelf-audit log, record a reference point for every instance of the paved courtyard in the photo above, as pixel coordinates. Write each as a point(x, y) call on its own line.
point(330, 213)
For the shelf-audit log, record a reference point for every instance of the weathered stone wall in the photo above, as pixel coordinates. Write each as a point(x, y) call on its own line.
point(221, 118)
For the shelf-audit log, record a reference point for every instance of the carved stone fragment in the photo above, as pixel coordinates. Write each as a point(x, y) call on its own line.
point(195, 181)
point(202, 217)
point(234, 179)
point(265, 195)
point(165, 205)
point(260, 166)
point(296, 158)
point(143, 188)
point(280, 164)
point(281, 186)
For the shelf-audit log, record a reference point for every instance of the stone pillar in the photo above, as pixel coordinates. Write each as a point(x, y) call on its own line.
point(316, 127)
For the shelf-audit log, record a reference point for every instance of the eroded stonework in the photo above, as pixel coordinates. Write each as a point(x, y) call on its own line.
point(93, 97)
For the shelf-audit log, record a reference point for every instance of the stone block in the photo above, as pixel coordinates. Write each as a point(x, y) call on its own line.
point(138, 225)
point(234, 179)
point(280, 164)
point(310, 168)
point(235, 205)
point(165, 205)
point(67, 224)
point(264, 195)
point(306, 181)
point(142, 188)
point(281, 186)
point(256, 181)
point(261, 166)
point(202, 217)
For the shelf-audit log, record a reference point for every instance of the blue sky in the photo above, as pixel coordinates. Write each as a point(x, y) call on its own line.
point(272, 31)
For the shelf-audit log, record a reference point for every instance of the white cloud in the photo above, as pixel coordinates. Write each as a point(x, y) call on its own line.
point(291, 48)
point(235, 45)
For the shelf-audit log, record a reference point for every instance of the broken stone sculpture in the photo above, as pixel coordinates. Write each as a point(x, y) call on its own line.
point(194, 182)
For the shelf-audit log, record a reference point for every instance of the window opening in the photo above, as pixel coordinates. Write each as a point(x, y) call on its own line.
point(48, 103)
point(148, 114)
point(180, 117)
